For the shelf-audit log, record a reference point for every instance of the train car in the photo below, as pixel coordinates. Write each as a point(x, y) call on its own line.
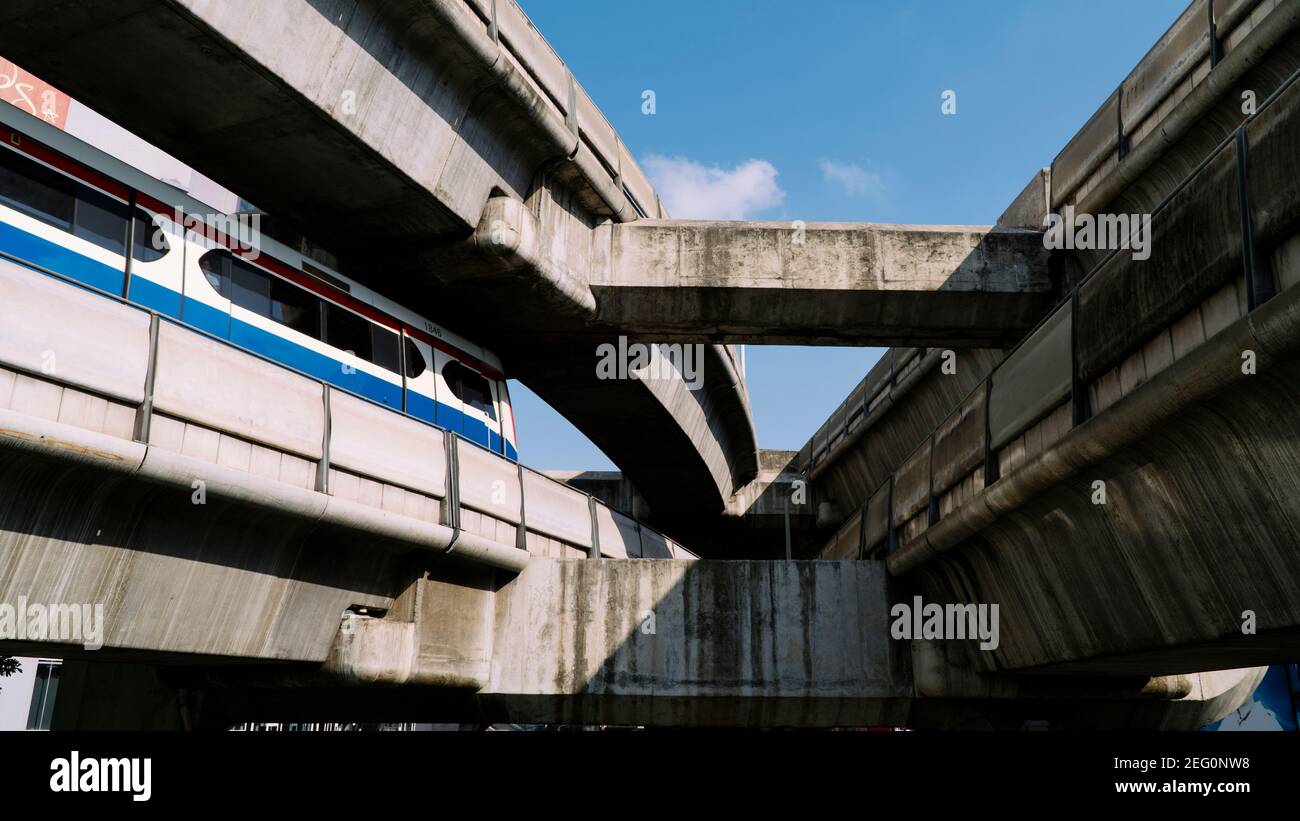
point(72, 209)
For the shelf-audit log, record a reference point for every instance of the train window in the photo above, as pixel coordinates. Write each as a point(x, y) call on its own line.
point(415, 364)
point(150, 242)
point(469, 387)
point(385, 349)
point(216, 269)
point(295, 307)
point(250, 288)
point(35, 190)
point(100, 219)
point(347, 331)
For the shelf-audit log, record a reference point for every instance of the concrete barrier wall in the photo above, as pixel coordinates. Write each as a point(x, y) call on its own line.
point(912, 485)
point(374, 442)
point(206, 381)
point(620, 536)
point(567, 101)
point(1172, 69)
point(1274, 186)
point(1131, 320)
point(254, 421)
point(557, 510)
point(1174, 56)
point(1035, 378)
point(959, 443)
point(1195, 247)
point(97, 344)
point(490, 484)
point(844, 544)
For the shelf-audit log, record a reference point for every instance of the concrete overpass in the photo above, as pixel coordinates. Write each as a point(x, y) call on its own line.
point(822, 283)
point(1122, 481)
point(472, 177)
point(251, 606)
point(263, 544)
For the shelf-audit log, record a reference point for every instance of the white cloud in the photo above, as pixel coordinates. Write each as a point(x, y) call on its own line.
point(693, 191)
point(855, 181)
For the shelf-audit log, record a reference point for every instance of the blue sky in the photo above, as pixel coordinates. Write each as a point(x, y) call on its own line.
point(825, 110)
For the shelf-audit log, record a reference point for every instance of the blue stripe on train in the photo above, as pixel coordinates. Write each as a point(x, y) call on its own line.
point(205, 317)
point(40, 251)
point(156, 297)
point(315, 364)
point(148, 294)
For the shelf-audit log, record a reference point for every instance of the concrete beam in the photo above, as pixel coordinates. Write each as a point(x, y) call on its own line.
point(820, 283)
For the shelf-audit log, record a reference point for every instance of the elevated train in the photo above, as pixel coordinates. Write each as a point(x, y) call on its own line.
point(70, 208)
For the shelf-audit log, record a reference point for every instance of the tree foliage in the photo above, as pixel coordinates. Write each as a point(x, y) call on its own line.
point(9, 665)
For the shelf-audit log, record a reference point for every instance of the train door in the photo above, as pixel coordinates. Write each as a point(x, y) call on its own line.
point(421, 379)
point(157, 263)
point(206, 298)
point(466, 403)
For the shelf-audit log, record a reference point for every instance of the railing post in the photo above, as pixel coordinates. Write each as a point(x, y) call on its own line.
point(1121, 141)
point(594, 553)
point(892, 540)
point(932, 512)
point(862, 529)
point(1216, 48)
point(990, 458)
point(144, 415)
point(323, 466)
point(1080, 403)
point(451, 503)
point(785, 508)
point(1258, 279)
point(521, 533)
point(130, 244)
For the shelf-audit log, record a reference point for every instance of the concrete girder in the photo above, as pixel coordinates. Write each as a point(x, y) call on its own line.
point(821, 283)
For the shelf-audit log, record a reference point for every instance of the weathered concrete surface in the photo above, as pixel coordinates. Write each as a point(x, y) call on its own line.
point(220, 579)
point(732, 643)
point(1200, 465)
point(661, 643)
point(638, 642)
point(849, 458)
point(821, 283)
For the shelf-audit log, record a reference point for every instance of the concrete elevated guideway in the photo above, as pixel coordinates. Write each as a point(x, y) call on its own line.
point(1123, 482)
point(239, 606)
point(453, 162)
point(261, 544)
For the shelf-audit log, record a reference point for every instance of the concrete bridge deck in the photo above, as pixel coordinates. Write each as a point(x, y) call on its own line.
point(251, 533)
